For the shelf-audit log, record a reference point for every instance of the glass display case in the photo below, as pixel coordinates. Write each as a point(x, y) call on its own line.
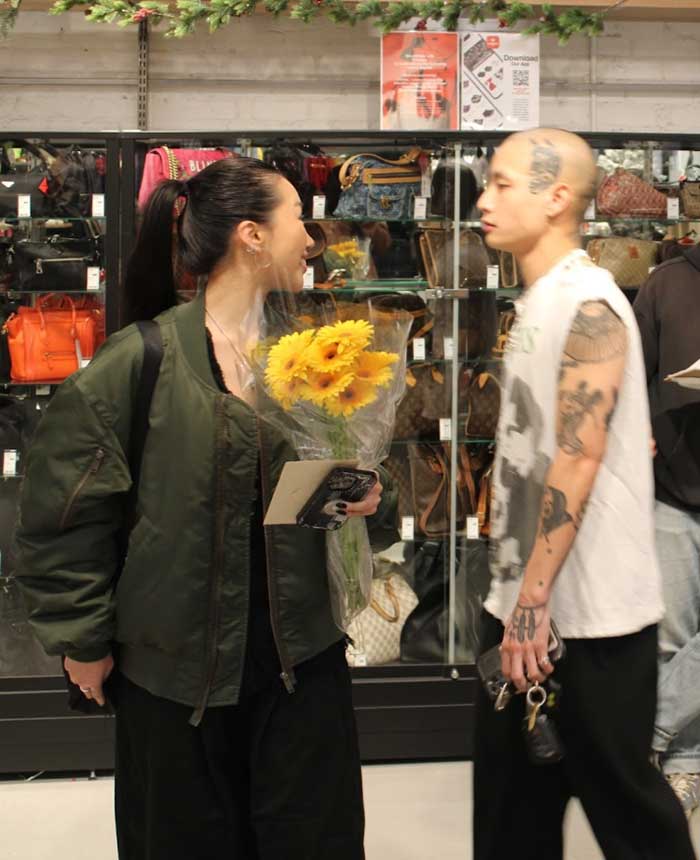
point(396, 231)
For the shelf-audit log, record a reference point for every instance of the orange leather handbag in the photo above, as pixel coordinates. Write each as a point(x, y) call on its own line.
point(47, 343)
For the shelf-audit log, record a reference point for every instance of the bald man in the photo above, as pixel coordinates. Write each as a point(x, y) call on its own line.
point(571, 533)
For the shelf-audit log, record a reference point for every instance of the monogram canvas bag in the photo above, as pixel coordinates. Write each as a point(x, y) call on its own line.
point(628, 260)
point(376, 632)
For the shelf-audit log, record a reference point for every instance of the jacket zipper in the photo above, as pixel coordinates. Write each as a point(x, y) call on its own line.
point(214, 611)
point(287, 674)
point(40, 263)
point(93, 469)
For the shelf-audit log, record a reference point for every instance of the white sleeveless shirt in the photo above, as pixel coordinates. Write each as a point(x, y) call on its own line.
point(609, 584)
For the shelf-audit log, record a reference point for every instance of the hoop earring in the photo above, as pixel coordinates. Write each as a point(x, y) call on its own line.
point(259, 267)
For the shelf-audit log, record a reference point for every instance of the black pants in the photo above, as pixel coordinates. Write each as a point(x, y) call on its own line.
point(606, 720)
point(274, 778)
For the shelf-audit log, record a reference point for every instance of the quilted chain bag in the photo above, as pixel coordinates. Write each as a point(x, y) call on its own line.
point(628, 260)
point(622, 194)
point(690, 198)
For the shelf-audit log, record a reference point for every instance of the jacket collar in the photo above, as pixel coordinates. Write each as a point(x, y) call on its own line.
point(191, 332)
point(692, 255)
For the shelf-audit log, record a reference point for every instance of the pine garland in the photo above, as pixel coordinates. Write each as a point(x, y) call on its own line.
point(183, 16)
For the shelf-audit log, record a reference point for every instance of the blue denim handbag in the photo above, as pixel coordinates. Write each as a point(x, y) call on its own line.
point(379, 189)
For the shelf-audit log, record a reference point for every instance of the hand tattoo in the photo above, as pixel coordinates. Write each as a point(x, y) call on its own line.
point(544, 167)
point(523, 623)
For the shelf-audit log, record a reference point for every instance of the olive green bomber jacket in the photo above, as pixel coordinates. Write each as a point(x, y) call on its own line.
point(180, 608)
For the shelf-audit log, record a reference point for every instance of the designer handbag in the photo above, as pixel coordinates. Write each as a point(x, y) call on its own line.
point(436, 248)
point(29, 175)
point(624, 194)
point(690, 199)
point(376, 632)
point(483, 403)
point(379, 188)
point(48, 344)
point(628, 260)
point(166, 163)
point(59, 265)
point(430, 485)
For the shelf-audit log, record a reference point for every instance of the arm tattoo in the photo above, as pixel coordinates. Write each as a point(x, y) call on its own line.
point(523, 623)
point(544, 167)
point(597, 334)
point(554, 513)
point(574, 408)
point(609, 416)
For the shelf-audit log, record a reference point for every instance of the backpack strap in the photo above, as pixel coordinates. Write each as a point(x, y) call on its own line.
point(150, 369)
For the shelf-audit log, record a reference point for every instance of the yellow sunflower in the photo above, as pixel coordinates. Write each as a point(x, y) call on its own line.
point(352, 398)
point(350, 336)
point(320, 387)
point(287, 393)
point(375, 367)
point(287, 358)
point(327, 357)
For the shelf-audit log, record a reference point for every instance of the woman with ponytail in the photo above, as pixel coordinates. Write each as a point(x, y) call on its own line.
point(213, 635)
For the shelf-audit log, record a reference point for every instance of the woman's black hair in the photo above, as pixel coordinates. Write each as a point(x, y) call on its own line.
point(216, 200)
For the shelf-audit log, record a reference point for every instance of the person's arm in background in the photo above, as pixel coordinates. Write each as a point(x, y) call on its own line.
point(591, 373)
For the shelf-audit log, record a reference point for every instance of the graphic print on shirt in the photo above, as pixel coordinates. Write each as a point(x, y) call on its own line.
point(519, 482)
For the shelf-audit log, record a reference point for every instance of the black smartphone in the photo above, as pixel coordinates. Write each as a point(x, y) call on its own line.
point(489, 664)
point(342, 484)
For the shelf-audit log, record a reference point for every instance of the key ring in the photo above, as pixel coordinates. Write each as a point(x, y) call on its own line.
point(536, 696)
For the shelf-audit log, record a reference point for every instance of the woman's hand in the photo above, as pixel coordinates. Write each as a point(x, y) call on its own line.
point(90, 676)
point(368, 505)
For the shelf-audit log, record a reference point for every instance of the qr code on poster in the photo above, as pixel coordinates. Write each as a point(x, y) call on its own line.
point(521, 77)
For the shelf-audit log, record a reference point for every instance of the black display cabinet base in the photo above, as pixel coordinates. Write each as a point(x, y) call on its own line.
point(403, 714)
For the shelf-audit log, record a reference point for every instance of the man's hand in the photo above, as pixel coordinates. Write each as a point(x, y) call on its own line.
point(90, 676)
point(368, 505)
point(524, 651)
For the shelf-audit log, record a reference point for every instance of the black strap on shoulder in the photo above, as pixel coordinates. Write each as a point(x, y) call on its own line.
point(152, 357)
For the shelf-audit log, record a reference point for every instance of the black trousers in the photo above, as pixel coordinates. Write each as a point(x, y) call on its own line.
point(606, 720)
point(274, 778)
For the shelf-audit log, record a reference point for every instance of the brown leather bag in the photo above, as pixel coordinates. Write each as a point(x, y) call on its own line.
point(436, 247)
point(506, 321)
point(622, 194)
point(690, 199)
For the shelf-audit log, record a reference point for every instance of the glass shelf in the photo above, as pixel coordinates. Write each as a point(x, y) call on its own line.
point(13, 293)
point(42, 219)
point(436, 219)
point(12, 384)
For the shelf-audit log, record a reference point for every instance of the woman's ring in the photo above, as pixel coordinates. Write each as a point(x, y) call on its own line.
point(86, 689)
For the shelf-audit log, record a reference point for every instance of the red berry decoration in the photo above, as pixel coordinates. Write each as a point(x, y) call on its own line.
point(422, 25)
point(141, 15)
point(502, 23)
point(318, 2)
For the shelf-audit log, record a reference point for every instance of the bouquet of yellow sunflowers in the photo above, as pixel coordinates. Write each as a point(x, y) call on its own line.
point(336, 388)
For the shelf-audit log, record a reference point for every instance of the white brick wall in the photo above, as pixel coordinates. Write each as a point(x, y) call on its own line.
point(64, 73)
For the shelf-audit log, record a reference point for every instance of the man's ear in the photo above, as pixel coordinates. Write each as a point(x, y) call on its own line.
point(562, 200)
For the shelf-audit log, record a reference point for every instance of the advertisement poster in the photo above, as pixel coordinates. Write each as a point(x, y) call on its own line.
point(420, 81)
point(500, 81)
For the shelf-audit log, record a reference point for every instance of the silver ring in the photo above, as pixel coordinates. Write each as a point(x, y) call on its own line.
point(545, 661)
point(86, 689)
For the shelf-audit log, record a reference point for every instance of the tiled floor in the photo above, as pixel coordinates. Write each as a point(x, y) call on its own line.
point(414, 812)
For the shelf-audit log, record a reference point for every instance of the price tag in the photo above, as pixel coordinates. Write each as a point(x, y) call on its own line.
point(589, 214)
point(98, 206)
point(448, 348)
point(420, 208)
point(360, 659)
point(9, 463)
point(309, 279)
point(408, 528)
point(24, 206)
point(493, 277)
point(419, 349)
point(319, 210)
point(43, 390)
point(426, 183)
point(472, 528)
point(673, 207)
point(93, 278)
point(445, 429)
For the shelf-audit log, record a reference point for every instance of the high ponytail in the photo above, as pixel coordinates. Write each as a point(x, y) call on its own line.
point(217, 199)
point(149, 287)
